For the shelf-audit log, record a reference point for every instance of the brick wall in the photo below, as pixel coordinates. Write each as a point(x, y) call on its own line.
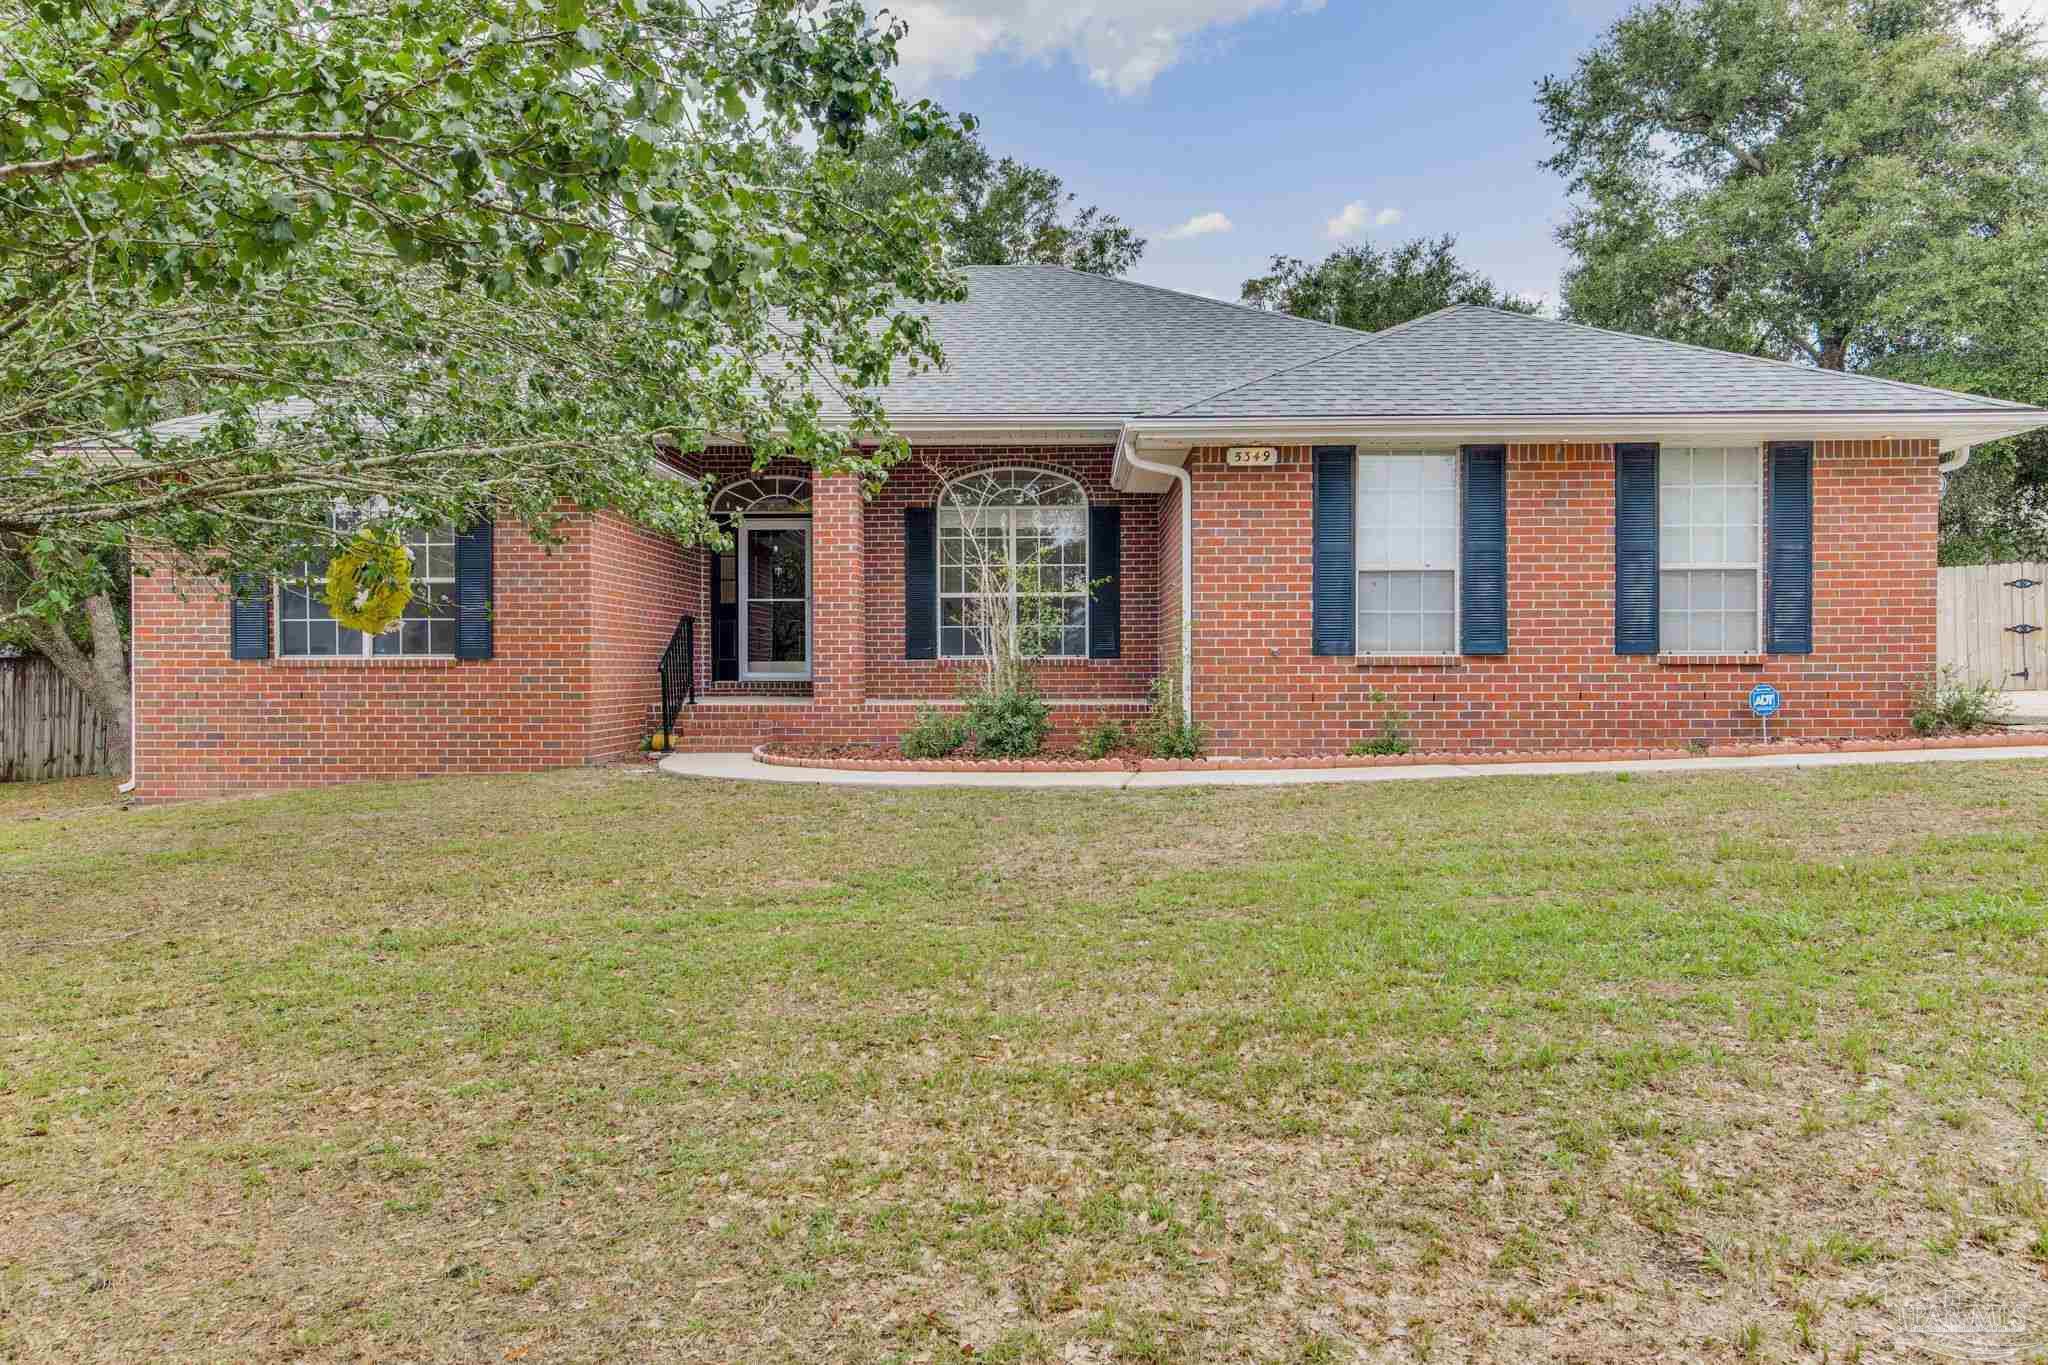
point(579, 631)
point(915, 483)
point(641, 583)
point(839, 588)
point(1561, 685)
point(577, 628)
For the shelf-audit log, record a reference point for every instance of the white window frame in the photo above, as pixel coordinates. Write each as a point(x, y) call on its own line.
point(368, 650)
point(1756, 645)
point(1361, 566)
point(743, 526)
point(1010, 549)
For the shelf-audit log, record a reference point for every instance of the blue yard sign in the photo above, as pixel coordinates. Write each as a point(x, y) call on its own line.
point(1764, 702)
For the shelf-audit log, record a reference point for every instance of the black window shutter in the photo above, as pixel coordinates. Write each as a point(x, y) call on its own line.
point(1105, 568)
point(1333, 617)
point(1635, 549)
point(474, 571)
point(1483, 553)
point(249, 618)
point(920, 583)
point(1788, 612)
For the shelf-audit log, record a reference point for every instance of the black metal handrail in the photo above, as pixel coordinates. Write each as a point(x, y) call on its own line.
point(679, 673)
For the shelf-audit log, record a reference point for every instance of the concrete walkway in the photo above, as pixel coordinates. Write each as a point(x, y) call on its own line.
point(743, 767)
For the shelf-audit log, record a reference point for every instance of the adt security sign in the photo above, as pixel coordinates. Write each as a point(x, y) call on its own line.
point(1765, 702)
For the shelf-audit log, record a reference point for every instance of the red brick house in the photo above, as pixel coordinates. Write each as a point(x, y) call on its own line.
point(1519, 532)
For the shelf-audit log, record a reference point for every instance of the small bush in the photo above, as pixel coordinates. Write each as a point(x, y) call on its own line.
point(1948, 705)
point(1167, 732)
point(1176, 738)
point(1010, 724)
point(1103, 739)
point(935, 734)
point(1389, 738)
point(1386, 743)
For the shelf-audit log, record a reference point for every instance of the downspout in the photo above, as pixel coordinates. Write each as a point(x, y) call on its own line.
point(133, 776)
point(1956, 461)
point(1179, 474)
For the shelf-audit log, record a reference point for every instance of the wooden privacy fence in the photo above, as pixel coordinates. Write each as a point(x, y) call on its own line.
point(47, 727)
point(1993, 624)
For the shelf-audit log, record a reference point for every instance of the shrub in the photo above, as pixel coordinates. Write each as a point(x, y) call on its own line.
point(1008, 724)
point(935, 734)
point(1387, 742)
point(1947, 705)
point(1167, 732)
point(1389, 739)
point(1103, 739)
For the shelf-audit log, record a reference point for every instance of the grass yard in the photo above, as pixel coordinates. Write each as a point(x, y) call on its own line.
point(600, 1065)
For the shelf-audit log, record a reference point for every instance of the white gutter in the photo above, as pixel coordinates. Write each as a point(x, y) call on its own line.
point(1957, 461)
point(1187, 569)
point(1951, 429)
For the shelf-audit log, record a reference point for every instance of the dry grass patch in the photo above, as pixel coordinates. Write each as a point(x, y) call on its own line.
point(596, 1066)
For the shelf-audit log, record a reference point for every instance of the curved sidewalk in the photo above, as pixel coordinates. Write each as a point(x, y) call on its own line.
point(744, 768)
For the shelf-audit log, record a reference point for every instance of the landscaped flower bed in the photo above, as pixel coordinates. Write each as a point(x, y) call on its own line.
point(885, 758)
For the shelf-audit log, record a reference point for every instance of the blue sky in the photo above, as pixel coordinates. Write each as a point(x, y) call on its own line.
point(1276, 115)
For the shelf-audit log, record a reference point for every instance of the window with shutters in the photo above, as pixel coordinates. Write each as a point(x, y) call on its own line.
point(1709, 514)
point(1408, 552)
point(1014, 542)
point(306, 629)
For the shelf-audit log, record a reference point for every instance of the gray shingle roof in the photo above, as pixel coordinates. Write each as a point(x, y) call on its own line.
point(1038, 341)
point(1469, 360)
point(199, 423)
point(1043, 340)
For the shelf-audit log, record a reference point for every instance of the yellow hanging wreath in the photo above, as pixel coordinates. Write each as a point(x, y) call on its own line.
point(369, 583)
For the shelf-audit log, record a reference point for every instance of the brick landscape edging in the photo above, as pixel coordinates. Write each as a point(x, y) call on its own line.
point(764, 754)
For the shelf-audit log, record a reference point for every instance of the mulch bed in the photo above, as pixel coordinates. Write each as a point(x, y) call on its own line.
point(886, 758)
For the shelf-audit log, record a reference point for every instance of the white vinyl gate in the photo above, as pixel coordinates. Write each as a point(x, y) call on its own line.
point(1993, 625)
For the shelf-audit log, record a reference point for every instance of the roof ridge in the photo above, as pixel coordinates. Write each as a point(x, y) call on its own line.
point(1364, 340)
point(1760, 359)
point(1179, 294)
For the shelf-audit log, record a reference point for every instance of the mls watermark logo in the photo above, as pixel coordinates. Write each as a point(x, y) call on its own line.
point(1959, 1325)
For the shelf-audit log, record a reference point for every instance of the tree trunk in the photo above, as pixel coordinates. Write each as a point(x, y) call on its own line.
point(101, 675)
point(1834, 353)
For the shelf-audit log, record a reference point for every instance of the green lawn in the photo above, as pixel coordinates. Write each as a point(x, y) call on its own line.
point(601, 1065)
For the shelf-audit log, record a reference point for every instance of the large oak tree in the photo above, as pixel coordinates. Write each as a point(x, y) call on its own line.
point(998, 210)
point(1860, 184)
point(496, 249)
point(1369, 288)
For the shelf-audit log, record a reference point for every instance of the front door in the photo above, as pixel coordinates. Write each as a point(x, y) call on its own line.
point(775, 599)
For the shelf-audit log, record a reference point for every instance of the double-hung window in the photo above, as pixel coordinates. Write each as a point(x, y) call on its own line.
point(1408, 552)
point(1013, 552)
point(306, 629)
point(1710, 507)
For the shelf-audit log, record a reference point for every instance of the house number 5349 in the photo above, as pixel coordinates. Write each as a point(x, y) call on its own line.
point(1251, 457)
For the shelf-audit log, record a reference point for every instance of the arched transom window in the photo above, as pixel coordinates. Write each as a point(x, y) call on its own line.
point(766, 495)
point(1013, 565)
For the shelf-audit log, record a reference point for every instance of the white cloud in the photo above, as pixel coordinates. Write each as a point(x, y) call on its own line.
point(1347, 223)
point(1201, 225)
point(1352, 218)
point(1122, 44)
